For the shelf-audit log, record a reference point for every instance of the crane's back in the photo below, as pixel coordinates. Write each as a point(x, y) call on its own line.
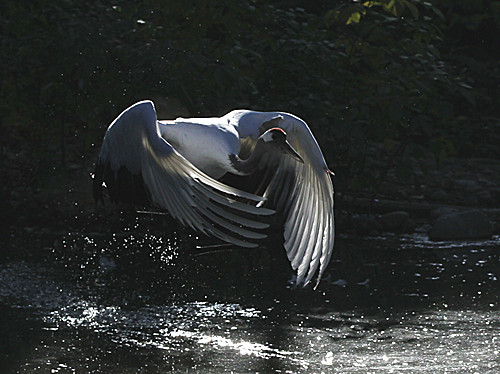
point(205, 142)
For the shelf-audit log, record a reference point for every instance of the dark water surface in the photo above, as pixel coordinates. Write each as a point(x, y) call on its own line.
point(141, 304)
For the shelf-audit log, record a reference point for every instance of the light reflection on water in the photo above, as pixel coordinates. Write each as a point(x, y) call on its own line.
point(419, 312)
point(428, 341)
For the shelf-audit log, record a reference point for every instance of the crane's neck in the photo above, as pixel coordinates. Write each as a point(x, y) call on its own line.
point(243, 167)
point(253, 163)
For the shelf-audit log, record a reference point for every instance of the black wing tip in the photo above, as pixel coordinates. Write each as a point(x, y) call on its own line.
point(121, 186)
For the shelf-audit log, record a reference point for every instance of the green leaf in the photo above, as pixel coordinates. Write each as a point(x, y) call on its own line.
point(344, 15)
point(412, 8)
point(369, 4)
point(354, 18)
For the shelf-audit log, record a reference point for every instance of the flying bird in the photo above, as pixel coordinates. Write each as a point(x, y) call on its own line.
point(222, 175)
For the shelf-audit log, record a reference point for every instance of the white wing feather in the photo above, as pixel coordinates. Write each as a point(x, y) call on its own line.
point(303, 191)
point(133, 141)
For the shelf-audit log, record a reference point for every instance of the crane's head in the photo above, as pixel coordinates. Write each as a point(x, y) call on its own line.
point(276, 139)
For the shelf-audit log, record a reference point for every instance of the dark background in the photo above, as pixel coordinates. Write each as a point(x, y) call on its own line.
point(391, 89)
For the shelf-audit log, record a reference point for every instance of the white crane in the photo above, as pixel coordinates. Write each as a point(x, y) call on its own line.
point(177, 165)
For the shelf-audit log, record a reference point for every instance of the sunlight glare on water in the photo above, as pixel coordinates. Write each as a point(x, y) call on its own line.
point(97, 325)
point(428, 342)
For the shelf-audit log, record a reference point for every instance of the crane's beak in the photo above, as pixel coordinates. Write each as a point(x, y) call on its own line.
point(288, 149)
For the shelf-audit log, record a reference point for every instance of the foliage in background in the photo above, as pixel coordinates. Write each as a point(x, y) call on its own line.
point(381, 83)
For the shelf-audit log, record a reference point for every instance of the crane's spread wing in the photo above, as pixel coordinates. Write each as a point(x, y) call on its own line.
point(171, 182)
point(302, 192)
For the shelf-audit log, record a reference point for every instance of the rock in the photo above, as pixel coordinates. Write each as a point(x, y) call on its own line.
point(471, 224)
point(466, 185)
point(439, 195)
point(495, 193)
point(484, 197)
point(438, 212)
point(365, 225)
point(424, 229)
point(397, 221)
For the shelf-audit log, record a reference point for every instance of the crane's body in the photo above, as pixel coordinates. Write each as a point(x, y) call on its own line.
point(181, 162)
point(206, 143)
